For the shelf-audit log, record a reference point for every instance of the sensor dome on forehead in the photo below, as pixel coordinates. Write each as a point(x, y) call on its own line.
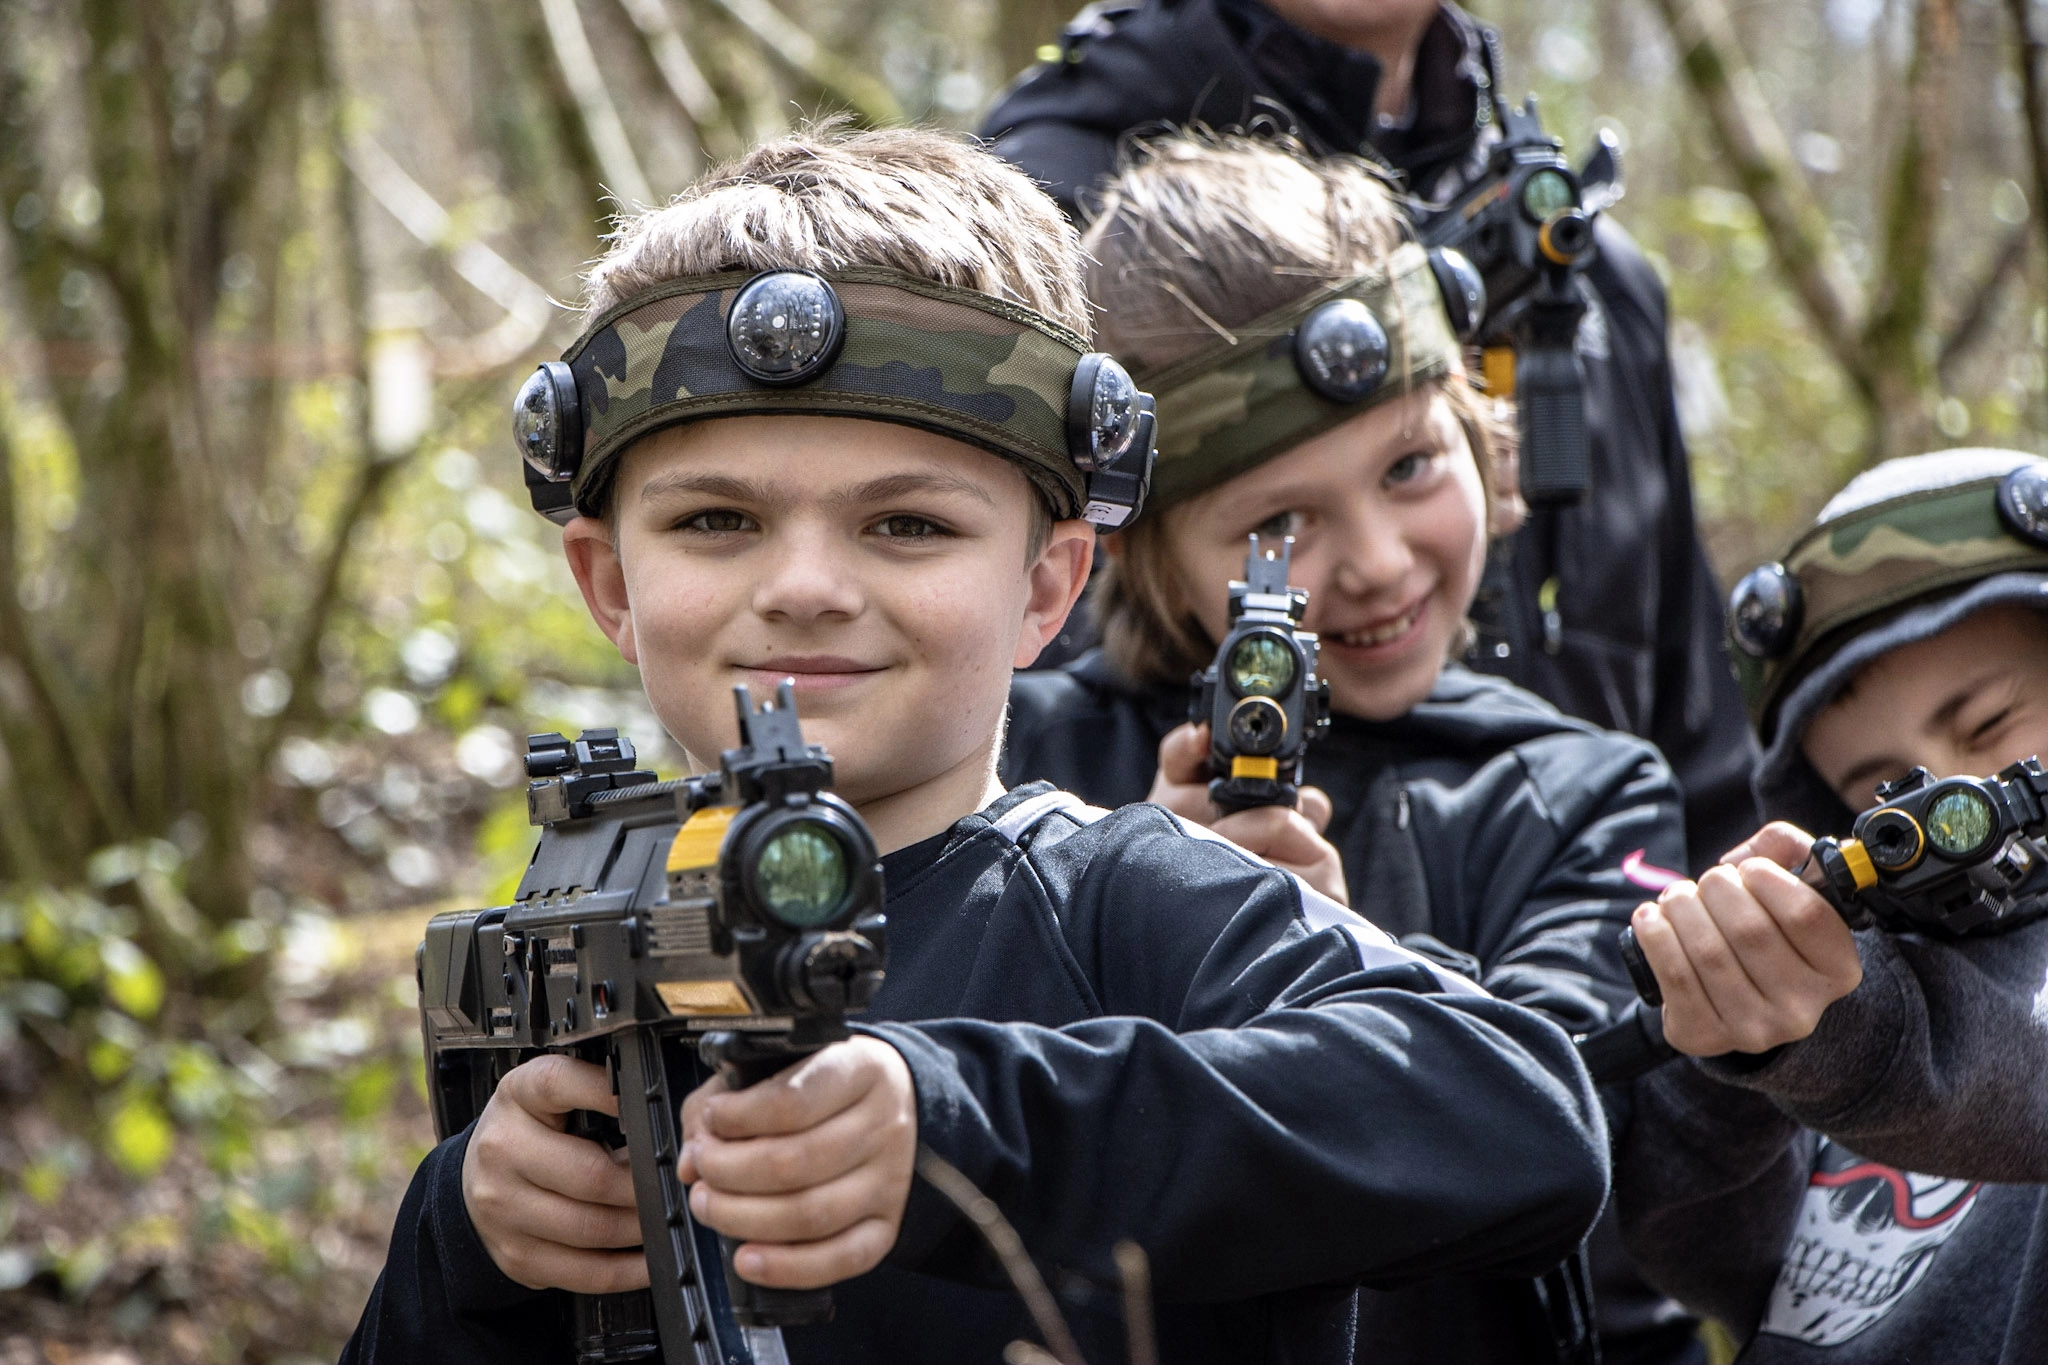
point(1921, 474)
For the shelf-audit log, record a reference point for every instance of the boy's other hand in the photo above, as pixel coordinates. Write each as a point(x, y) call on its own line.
point(1291, 839)
point(809, 1170)
point(552, 1209)
point(1749, 957)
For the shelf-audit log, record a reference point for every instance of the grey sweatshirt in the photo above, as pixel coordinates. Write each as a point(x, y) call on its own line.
point(1824, 1200)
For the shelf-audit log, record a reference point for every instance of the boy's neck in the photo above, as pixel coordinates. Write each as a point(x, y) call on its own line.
point(933, 806)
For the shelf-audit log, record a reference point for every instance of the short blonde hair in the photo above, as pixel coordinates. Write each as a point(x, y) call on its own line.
point(927, 203)
point(1202, 232)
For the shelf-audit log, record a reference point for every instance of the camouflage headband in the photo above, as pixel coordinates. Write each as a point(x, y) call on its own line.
point(1900, 534)
point(954, 361)
point(1237, 404)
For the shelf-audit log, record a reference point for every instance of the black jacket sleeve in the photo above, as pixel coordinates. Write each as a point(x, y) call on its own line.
point(1270, 1104)
point(441, 1297)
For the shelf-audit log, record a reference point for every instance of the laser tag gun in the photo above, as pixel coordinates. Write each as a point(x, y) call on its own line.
point(1526, 224)
point(1261, 698)
point(728, 921)
point(1944, 856)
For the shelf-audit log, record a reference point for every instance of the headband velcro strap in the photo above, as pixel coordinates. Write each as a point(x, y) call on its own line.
point(1238, 403)
point(953, 361)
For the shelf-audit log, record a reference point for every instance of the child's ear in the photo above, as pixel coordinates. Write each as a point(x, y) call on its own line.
point(1057, 577)
point(594, 559)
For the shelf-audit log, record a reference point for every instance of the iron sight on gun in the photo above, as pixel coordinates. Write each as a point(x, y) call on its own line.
point(1526, 225)
point(1261, 698)
point(727, 921)
point(1944, 856)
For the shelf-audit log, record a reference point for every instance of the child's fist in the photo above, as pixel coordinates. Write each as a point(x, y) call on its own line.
point(809, 1170)
point(552, 1210)
point(1292, 839)
point(1749, 957)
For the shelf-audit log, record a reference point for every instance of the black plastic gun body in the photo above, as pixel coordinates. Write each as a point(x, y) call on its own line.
point(1526, 224)
point(731, 920)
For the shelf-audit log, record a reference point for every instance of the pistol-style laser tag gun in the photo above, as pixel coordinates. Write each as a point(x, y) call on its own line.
point(731, 920)
point(1261, 698)
point(1944, 856)
point(1527, 225)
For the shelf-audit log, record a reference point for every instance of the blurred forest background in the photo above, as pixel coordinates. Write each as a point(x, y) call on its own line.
point(274, 615)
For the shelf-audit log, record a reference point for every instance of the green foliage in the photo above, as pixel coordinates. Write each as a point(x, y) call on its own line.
point(80, 986)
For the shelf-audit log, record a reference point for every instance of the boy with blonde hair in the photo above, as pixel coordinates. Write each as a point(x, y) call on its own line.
point(1117, 1028)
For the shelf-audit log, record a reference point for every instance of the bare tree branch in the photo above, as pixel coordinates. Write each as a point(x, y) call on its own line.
point(373, 472)
point(680, 72)
point(1749, 136)
point(528, 309)
point(1970, 325)
point(867, 97)
point(60, 716)
point(571, 44)
point(2028, 52)
point(1898, 314)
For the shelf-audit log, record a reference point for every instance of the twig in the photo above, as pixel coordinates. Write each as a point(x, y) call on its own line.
point(1136, 1272)
point(1003, 1240)
point(594, 102)
point(866, 96)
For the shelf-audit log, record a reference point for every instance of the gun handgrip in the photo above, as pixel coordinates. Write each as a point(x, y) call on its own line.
point(743, 1060)
point(1639, 970)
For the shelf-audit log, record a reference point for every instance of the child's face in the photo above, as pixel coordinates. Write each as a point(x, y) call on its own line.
point(1964, 703)
point(881, 567)
point(1388, 518)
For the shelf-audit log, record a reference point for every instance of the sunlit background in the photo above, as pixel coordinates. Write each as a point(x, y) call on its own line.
point(275, 618)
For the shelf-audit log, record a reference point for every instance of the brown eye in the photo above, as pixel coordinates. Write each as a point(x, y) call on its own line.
point(1279, 524)
point(718, 521)
point(904, 526)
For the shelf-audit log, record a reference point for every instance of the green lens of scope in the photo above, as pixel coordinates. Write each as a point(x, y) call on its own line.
point(1260, 666)
point(1959, 822)
point(1547, 193)
point(801, 875)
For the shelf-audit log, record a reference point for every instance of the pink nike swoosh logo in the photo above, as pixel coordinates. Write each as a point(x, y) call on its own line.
point(1648, 875)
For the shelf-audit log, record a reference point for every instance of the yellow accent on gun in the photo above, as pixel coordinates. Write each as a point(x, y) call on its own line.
point(1857, 859)
point(696, 843)
point(703, 997)
point(1254, 767)
point(1497, 370)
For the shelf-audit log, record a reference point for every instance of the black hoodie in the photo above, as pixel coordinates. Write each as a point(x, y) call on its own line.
point(1636, 640)
point(1485, 819)
point(1119, 1026)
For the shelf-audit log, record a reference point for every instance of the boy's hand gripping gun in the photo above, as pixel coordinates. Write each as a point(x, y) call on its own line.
point(727, 921)
point(1942, 856)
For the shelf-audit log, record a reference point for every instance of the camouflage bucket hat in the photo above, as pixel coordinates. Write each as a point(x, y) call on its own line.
point(954, 361)
point(1903, 553)
point(1271, 386)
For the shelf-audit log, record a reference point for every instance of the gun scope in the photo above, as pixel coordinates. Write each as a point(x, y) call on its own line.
point(1261, 697)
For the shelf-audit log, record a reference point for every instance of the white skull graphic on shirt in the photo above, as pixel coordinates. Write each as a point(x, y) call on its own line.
point(1867, 1235)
